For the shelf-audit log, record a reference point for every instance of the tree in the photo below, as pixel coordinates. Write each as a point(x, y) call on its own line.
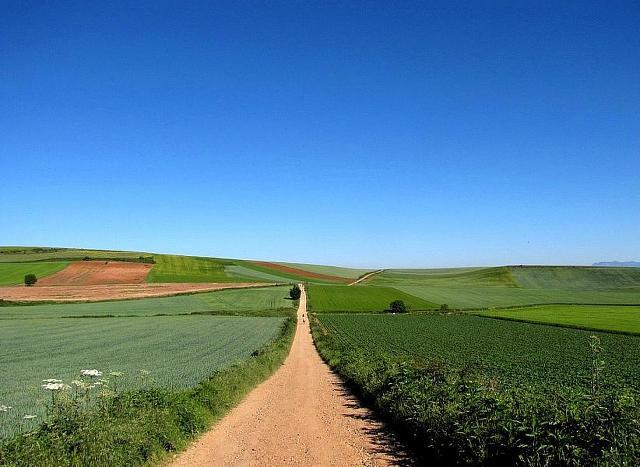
point(30, 279)
point(295, 292)
point(398, 306)
point(444, 308)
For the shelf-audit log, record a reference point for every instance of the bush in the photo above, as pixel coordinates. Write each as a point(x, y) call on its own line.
point(295, 292)
point(398, 306)
point(444, 308)
point(30, 279)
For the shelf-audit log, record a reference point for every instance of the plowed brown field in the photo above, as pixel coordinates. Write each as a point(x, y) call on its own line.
point(97, 273)
point(88, 293)
point(301, 272)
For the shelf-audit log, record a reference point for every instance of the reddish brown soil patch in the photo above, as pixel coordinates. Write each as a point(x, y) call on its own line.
point(301, 272)
point(97, 273)
point(89, 293)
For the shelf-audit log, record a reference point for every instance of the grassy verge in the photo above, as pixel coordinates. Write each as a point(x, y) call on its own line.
point(140, 427)
point(458, 415)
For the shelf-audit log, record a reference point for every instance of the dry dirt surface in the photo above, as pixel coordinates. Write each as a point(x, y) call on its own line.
point(365, 277)
point(88, 293)
point(301, 272)
point(97, 273)
point(302, 415)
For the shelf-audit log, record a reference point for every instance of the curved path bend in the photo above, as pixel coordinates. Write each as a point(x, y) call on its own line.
point(301, 415)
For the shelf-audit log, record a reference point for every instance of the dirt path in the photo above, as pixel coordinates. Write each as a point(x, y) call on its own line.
point(366, 276)
point(302, 415)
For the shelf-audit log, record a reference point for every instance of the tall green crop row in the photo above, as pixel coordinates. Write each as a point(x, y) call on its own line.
point(460, 411)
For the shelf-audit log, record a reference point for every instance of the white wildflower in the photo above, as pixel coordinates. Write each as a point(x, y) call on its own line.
point(52, 381)
point(55, 386)
point(80, 384)
point(5, 408)
point(91, 373)
point(145, 372)
point(29, 417)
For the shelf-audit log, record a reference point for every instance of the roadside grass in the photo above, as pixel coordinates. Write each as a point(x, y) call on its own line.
point(268, 301)
point(13, 273)
point(139, 427)
point(625, 319)
point(463, 390)
point(171, 268)
point(342, 298)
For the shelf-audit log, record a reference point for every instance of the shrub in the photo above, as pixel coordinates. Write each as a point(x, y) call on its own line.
point(398, 306)
point(30, 279)
point(444, 308)
point(295, 292)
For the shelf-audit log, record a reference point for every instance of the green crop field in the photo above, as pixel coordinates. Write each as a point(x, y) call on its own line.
point(176, 352)
point(28, 254)
point(510, 286)
point(170, 268)
point(259, 275)
point(514, 353)
point(597, 317)
point(253, 301)
point(468, 390)
point(336, 298)
point(13, 273)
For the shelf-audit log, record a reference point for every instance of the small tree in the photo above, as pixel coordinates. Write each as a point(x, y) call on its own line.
point(444, 308)
point(30, 279)
point(295, 292)
point(397, 306)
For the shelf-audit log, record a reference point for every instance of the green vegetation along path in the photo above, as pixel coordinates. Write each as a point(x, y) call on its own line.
point(302, 415)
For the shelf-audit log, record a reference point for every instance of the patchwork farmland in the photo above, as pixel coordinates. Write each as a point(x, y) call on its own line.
point(465, 376)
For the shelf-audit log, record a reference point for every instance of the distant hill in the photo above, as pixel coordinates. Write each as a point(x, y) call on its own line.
point(619, 264)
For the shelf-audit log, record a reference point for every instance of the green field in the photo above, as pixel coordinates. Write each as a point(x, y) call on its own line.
point(597, 317)
point(25, 254)
point(513, 352)
point(468, 390)
point(259, 275)
point(13, 273)
point(268, 301)
point(170, 268)
point(177, 352)
point(58, 340)
point(336, 298)
point(509, 286)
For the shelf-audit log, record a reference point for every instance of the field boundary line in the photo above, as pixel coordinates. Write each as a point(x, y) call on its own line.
point(558, 325)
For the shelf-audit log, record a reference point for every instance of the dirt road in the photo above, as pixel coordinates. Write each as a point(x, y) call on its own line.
point(302, 415)
point(366, 276)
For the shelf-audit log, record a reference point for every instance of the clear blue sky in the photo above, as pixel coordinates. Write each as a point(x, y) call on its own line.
point(353, 133)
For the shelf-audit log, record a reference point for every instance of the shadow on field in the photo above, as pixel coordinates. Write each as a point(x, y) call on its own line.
point(383, 441)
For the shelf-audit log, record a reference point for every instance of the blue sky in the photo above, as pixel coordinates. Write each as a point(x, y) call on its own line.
point(353, 133)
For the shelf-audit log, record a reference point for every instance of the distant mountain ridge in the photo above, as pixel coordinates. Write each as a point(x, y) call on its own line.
point(619, 264)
